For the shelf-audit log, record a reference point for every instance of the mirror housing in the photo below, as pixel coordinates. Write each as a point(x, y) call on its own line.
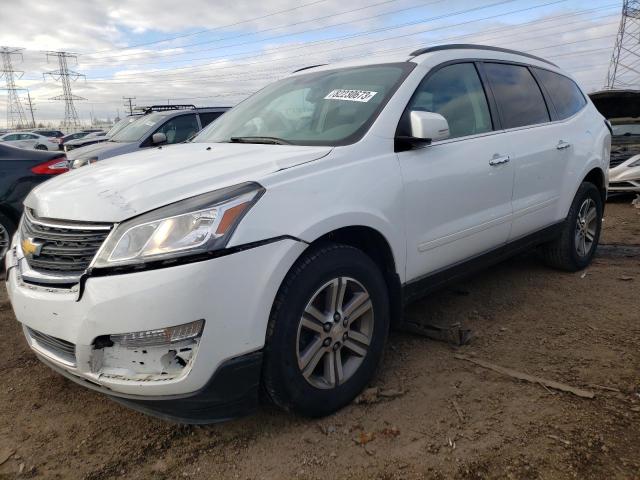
point(426, 127)
point(158, 138)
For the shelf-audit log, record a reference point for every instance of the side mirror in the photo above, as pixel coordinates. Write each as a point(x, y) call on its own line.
point(426, 127)
point(158, 138)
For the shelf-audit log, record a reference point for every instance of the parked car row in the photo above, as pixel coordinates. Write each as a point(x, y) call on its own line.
point(273, 251)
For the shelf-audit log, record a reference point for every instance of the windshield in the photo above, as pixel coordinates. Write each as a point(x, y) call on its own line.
point(120, 125)
point(138, 128)
point(626, 129)
point(333, 107)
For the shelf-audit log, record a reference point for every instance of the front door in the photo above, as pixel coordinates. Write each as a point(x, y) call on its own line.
point(457, 191)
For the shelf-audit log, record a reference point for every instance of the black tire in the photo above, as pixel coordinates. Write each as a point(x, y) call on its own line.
point(563, 252)
point(283, 379)
point(41, 147)
point(6, 225)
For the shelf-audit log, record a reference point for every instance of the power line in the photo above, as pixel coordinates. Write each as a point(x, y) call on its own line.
point(15, 113)
point(66, 76)
point(621, 73)
point(129, 103)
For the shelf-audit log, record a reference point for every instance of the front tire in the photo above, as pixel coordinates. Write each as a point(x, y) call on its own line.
point(7, 229)
point(327, 331)
point(574, 249)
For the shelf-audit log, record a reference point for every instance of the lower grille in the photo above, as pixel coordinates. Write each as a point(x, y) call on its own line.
point(61, 247)
point(59, 348)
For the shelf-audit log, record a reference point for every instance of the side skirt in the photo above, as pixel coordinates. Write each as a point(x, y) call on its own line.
point(431, 282)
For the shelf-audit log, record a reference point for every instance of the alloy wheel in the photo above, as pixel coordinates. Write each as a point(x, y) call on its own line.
point(4, 241)
point(586, 227)
point(334, 333)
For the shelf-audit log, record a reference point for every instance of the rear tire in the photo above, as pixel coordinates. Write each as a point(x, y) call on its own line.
point(574, 249)
point(327, 331)
point(7, 229)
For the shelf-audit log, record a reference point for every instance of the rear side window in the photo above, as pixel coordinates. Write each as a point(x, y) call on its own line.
point(208, 117)
point(456, 93)
point(519, 98)
point(565, 94)
point(179, 128)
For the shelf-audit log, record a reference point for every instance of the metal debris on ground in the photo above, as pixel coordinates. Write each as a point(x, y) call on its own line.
point(453, 334)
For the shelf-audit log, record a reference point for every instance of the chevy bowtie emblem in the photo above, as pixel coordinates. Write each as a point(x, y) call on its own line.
point(31, 248)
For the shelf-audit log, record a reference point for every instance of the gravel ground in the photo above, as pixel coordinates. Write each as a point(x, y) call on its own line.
point(428, 415)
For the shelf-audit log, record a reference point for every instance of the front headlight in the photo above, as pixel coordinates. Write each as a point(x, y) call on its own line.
point(195, 225)
point(635, 164)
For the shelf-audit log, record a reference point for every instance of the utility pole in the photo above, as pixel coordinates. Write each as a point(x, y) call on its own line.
point(31, 109)
point(66, 76)
point(15, 113)
point(129, 101)
point(624, 68)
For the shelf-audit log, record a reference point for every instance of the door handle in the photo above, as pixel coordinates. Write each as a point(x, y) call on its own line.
point(562, 145)
point(499, 160)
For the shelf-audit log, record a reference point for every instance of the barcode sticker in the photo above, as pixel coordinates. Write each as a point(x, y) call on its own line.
point(351, 95)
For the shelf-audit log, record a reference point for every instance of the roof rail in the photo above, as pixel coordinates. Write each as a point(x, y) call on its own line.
point(471, 46)
point(310, 66)
point(164, 108)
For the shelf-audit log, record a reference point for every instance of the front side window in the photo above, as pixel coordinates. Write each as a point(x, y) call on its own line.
point(519, 98)
point(180, 128)
point(456, 93)
point(564, 93)
point(333, 107)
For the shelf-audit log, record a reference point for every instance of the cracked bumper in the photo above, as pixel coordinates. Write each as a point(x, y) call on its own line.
point(232, 293)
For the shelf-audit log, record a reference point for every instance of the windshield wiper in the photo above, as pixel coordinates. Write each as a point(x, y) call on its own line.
point(266, 140)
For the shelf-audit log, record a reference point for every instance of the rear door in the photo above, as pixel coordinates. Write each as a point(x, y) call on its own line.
point(532, 141)
point(458, 190)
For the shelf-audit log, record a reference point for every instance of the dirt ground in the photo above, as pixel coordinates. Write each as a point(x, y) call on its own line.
point(444, 418)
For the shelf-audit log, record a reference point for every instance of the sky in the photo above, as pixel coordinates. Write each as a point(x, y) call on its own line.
point(217, 53)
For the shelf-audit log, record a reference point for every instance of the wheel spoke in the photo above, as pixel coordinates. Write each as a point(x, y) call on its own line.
point(315, 313)
point(330, 368)
point(361, 310)
point(355, 302)
point(310, 323)
point(584, 245)
point(311, 356)
point(332, 296)
point(359, 337)
point(590, 235)
point(591, 215)
point(355, 348)
point(339, 372)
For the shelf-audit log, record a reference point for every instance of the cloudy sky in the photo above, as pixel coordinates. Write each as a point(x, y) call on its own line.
point(216, 53)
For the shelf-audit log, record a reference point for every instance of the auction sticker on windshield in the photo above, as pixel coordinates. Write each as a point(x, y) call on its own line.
point(351, 95)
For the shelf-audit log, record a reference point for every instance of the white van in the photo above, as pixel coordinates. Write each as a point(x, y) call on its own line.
point(274, 251)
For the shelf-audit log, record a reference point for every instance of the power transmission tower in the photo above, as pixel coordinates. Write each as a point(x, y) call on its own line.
point(31, 109)
point(66, 76)
point(15, 113)
point(624, 69)
point(129, 103)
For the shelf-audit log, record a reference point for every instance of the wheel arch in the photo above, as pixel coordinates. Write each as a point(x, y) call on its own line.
point(596, 177)
point(376, 246)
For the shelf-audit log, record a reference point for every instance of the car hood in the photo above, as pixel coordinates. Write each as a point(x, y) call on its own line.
point(123, 187)
point(100, 150)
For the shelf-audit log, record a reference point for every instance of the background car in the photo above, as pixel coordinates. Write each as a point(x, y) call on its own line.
point(48, 133)
point(160, 125)
point(87, 139)
point(20, 171)
point(71, 136)
point(30, 140)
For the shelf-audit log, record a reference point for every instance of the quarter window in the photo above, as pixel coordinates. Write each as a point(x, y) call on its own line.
point(456, 93)
point(179, 129)
point(565, 94)
point(519, 98)
point(207, 117)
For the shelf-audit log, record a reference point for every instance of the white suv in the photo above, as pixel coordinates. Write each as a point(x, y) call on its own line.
point(274, 251)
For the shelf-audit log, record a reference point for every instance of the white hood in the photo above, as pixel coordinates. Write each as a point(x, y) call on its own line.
point(125, 186)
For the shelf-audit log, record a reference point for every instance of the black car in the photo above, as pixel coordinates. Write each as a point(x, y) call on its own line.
point(20, 171)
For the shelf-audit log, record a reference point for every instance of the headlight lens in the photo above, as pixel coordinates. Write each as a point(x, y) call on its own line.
point(635, 164)
point(196, 225)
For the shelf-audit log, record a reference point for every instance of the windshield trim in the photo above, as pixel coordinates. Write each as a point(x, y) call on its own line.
point(406, 67)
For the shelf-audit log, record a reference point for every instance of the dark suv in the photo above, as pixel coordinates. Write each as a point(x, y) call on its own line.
point(160, 125)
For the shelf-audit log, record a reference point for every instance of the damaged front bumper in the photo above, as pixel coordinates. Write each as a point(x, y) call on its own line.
point(625, 178)
point(108, 336)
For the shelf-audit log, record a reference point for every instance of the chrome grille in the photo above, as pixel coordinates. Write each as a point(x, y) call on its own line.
point(61, 349)
point(65, 247)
